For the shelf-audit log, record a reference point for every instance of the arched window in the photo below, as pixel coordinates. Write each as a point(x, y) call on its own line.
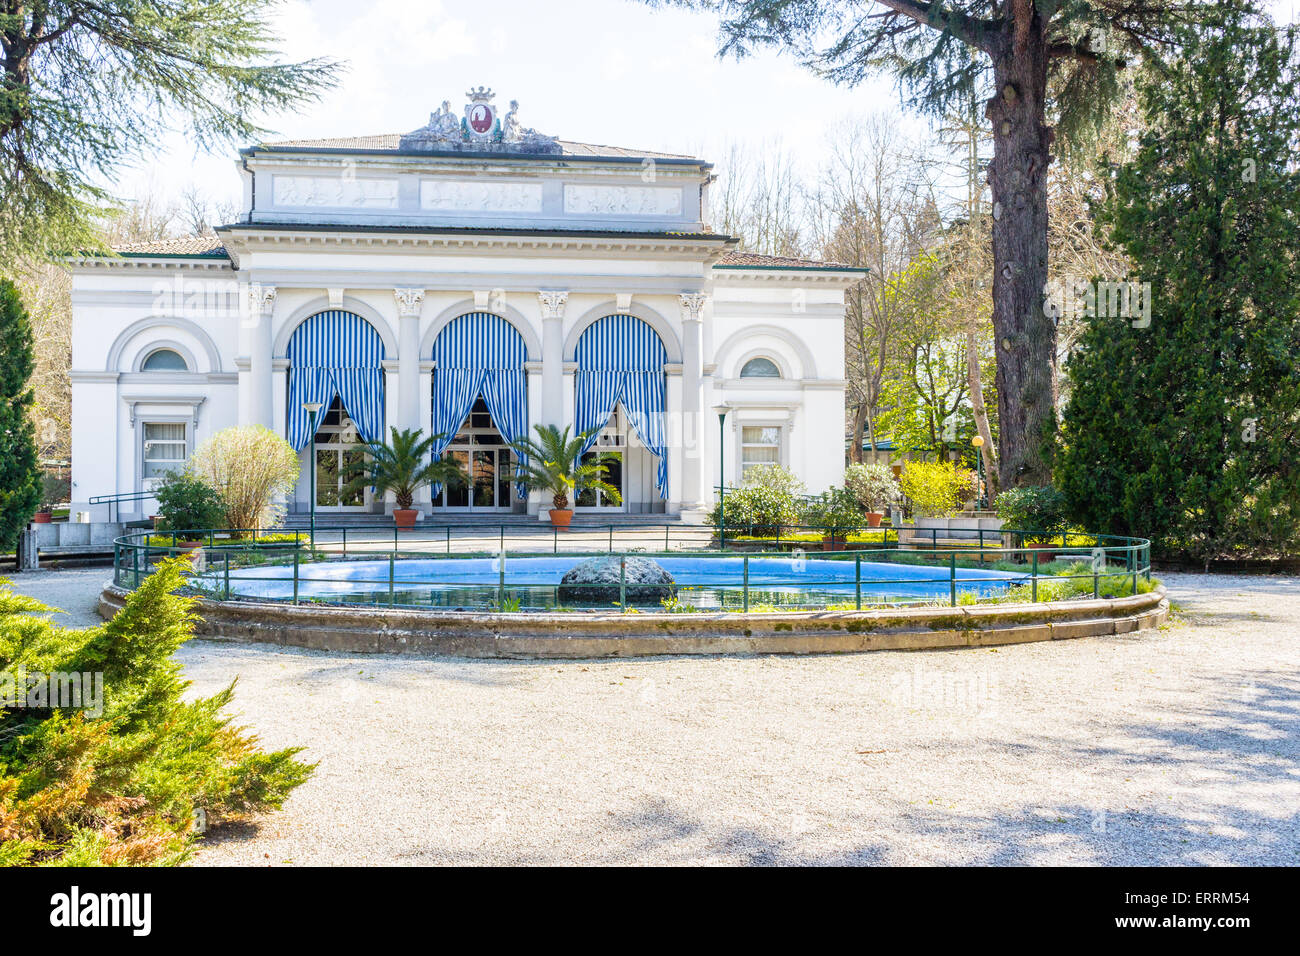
point(164, 360)
point(760, 368)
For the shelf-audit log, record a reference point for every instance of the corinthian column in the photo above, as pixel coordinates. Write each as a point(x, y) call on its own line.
point(692, 304)
point(552, 302)
point(261, 305)
point(409, 303)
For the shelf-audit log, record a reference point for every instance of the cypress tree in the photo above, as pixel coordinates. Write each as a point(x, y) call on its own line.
point(1187, 430)
point(20, 477)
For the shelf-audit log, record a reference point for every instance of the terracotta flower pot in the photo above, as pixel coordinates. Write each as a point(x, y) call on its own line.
point(42, 517)
point(832, 542)
point(405, 517)
point(874, 518)
point(561, 517)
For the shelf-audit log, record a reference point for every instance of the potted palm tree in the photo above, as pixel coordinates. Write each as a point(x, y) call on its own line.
point(402, 466)
point(555, 464)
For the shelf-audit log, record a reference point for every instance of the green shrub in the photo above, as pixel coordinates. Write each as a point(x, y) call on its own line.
point(836, 508)
point(1033, 508)
point(122, 782)
point(935, 488)
point(769, 499)
point(186, 503)
point(874, 485)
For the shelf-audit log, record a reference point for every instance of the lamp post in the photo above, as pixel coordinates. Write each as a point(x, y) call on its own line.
point(722, 481)
point(978, 442)
point(312, 409)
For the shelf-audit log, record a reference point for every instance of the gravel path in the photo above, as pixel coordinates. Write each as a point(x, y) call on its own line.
point(1178, 747)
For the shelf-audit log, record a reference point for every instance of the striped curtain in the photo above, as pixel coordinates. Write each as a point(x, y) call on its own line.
point(479, 354)
point(336, 353)
point(620, 358)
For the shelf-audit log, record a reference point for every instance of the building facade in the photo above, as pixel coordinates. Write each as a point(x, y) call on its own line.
point(471, 279)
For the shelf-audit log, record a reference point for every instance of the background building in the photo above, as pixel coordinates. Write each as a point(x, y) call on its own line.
point(472, 278)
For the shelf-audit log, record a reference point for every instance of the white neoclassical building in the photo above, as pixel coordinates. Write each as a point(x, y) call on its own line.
point(470, 279)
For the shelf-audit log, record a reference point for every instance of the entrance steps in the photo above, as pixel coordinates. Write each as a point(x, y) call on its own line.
point(301, 521)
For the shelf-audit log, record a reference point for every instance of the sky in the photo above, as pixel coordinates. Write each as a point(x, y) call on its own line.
point(615, 72)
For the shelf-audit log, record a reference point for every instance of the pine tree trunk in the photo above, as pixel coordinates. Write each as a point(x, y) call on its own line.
point(1025, 337)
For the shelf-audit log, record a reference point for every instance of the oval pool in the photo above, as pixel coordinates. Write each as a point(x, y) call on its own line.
point(704, 582)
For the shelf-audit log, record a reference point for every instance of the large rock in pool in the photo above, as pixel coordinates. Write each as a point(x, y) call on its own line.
point(595, 581)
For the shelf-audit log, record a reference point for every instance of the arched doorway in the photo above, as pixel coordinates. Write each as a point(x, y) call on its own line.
point(619, 392)
point(479, 406)
point(335, 360)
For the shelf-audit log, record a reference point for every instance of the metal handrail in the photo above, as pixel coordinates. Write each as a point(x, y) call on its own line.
point(114, 500)
point(1133, 553)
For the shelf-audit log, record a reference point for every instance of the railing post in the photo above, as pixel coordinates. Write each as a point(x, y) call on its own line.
point(225, 588)
point(952, 577)
point(744, 588)
point(295, 572)
point(555, 547)
point(501, 580)
point(1096, 592)
point(666, 528)
point(622, 581)
point(449, 539)
point(345, 541)
point(857, 576)
point(392, 560)
point(501, 541)
point(611, 539)
point(1034, 586)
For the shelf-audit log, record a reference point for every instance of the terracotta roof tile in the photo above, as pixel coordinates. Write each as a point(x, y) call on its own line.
point(757, 260)
point(178, 246)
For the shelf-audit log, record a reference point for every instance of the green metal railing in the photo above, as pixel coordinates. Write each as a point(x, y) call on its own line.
point(1109, 563)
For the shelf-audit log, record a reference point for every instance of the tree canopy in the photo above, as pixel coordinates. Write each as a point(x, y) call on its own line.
point(87, 85)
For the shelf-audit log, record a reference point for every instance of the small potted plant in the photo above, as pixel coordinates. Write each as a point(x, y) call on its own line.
point(188, 506)
point(402, 466)
point(1038, 514)
point(875, 488)
point(52, 490)
point(555, 462)
point(835, 513)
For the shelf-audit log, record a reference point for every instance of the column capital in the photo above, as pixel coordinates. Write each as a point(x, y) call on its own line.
point(692, 304)
point(261, 299)
point(553, 302)
point(409, 301)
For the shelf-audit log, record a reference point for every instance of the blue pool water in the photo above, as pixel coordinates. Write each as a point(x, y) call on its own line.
point(703, 582)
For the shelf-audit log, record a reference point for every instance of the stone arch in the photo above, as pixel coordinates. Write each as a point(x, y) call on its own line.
point(510, 315)
point(662, 327)
point(321, 304)
point(733, 353)
point(124, 338)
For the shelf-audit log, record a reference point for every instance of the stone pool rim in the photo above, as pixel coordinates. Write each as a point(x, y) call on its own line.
point(584, 635)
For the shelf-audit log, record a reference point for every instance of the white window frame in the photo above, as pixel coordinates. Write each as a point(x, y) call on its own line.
point(142, 450)
point(741, 444)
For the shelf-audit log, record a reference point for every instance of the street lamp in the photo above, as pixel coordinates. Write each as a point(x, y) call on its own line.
point(722, 485)
point(978, 442)
point(312, 409)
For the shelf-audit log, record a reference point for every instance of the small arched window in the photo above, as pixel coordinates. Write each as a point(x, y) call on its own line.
point(760, 368)
point(164, 360)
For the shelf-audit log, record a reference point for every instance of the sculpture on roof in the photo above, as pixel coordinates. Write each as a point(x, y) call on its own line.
point(481, 129)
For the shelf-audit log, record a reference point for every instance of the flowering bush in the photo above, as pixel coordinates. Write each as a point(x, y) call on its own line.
point(874, 486)
point(935, 488)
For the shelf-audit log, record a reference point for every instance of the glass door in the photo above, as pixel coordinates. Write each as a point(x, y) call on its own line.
point(339, 455)
point(486, 462)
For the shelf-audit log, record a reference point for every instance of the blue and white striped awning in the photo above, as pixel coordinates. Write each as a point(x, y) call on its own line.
point(621, 358)
point(479, 353)
point(336, 353)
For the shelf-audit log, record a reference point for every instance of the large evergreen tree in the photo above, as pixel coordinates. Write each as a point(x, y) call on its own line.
point(20, 479)
point(1044, 66)
point(88, 84)
point(1188, 430)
